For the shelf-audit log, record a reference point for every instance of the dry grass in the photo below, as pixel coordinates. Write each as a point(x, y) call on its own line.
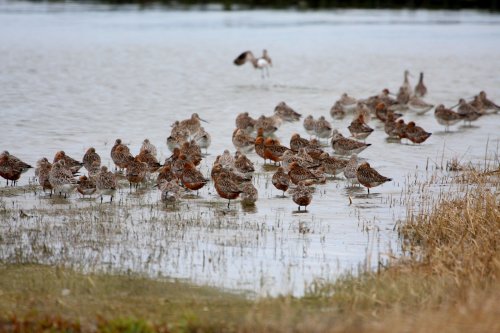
point(447, 281)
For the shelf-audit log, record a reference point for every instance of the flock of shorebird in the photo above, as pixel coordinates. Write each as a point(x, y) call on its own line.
point(302, 164)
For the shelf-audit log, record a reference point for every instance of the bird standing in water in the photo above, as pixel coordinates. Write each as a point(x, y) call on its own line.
point(263, 63)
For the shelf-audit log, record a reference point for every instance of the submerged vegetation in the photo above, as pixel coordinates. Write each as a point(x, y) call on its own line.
point(447, 280)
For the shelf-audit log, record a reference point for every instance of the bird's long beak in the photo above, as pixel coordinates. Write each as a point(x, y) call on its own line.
point(204, 120)
point(454, 106)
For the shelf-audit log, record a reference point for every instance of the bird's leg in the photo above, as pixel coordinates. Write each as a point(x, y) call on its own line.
point(101, 198)
point(228, 202)
point(110, 201)
point(299, 208)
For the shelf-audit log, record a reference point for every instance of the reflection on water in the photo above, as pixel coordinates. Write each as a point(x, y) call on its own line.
point(76, 78)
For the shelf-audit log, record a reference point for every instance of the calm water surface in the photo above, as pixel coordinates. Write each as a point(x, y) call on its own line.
point(72, 77)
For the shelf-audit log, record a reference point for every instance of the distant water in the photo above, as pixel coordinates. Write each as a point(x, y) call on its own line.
point(74, 76)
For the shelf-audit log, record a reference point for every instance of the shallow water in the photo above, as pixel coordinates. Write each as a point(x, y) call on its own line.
point(79, 76)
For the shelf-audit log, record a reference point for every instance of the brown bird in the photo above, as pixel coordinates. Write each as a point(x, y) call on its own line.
point(249, 194)
point(147, 157)
point(286, 113)
point(243, 141)
point(12, 167)
point(281, 180)
point(106, 183)
point(420, 88)
point(296, 142)
point(302, 195)
point(245, 122)
point(136, 171)
point(164, 175)
point(192, 178)
point(447, 117)
point(332, 165)
point(42, 171)
point(120, 154)
point(70, 163)
point(226, 188)
point(90, 158)
point(86, 186)
point(300, 174)
point(369, 177)
point(273, 151)
point(415, 133)
point(359, 129)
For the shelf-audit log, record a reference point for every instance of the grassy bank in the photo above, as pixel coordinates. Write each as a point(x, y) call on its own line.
point(447, 281)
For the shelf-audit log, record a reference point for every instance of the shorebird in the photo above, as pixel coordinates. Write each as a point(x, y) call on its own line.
point(120, 154)
point(302, 195)
point(192, 125)
point(359, 129)
point(203, 139)
point(488, 105)
point(351, 168)
point(347, 103)
point(106, 183)
point(243, 141)
point(281, 180)
point(70, 163)
point(400, 128)
point(382, 112)
point(403, 96)
point(304, 159)
point(192, 178)
point(226, 160)
point(86, 186)
point(296, 142)
point(61, 178)
point(415, 133)
point(332, 165)
point(147, 157)
point(192, 152)
point(322, 128)
point(469, 112)
point(309, 125)
point(300, 174)
point(345, 146)
point(90, 158)
point(418, 105)
point(286, 113)
point(94, 169)
point(245, 122)
point(226, 188)
point(165, 174)
point(406, 82)
point(447, 117)
point(263, 63)
point(12, 167)
point(147, 145)
point(260, 147)
point(369, 177)
point(390, 126)
point(364, 110)
point(420, 88)
point(273, 151)
point(177, 139)
point(136, 172)
point(249, 194)
point(268, 124)
point(42, 171)
point(243, 164)
point(170, 191)
point(337, 111)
